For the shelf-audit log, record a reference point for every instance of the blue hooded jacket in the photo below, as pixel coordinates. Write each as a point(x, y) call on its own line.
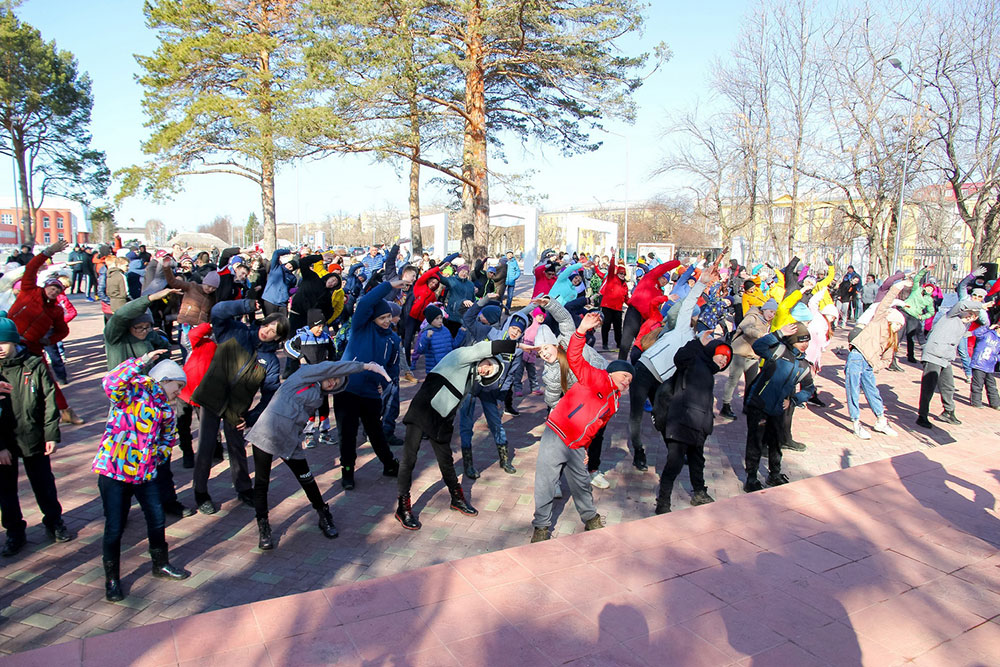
point(225, 325)
point(370, 342)
point(279, 280)
point(784, 368)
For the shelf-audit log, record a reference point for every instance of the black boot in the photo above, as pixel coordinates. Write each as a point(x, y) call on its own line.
point(347, 478)
point(508, 403)
point(326, 523)
point(15, 542)
point(391, 469)
point(639, 460)
point(701, 497)
point(777, 479)
point(162, 569)
point(505, 460)
point(470, 469)
point(264, 542)
point(752, 484)
point(923, 422)
point(727, 412)
point(405, 515)
point(662, 507)
point(112, 581)
point(459, 504)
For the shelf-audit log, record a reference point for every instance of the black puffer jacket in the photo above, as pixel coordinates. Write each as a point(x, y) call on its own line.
point(682, 408)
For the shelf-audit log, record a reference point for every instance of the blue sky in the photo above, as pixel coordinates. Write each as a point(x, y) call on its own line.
point(104, 35)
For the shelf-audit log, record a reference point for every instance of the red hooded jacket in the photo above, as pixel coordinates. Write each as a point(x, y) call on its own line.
point(614, 291)
point(202, 351)
point(648, 287)
point(588, 405)
point(34, 313)
point(422, 294)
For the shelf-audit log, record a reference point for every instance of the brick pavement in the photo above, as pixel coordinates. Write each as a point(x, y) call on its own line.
point(53, 593)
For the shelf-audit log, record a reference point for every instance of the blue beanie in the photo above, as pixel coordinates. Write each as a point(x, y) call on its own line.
point(491, 313)
point(519, 322)
point(801, 312)
point(381, 308)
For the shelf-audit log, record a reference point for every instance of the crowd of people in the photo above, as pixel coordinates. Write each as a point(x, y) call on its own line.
point(277, 353)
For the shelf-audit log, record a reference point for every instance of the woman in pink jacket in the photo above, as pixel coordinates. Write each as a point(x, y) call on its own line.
point(139, 436)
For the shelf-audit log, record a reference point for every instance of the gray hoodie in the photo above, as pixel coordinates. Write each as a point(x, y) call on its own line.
point(947, 333)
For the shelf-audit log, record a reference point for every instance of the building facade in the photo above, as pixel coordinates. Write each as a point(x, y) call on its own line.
point(59, 218)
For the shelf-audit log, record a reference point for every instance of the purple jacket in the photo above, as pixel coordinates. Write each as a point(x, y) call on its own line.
point(987, 351)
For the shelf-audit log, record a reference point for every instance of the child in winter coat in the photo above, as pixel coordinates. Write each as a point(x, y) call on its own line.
point(138, 439)
point(529, 357)
point(312, 344)
point(436, 340)
point(580, 414)
point(984, 366)
point(280, 429)
point(29, 430)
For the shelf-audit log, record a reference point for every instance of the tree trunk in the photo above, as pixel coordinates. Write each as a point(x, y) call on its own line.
point(416, 236)
point(475, 198)
point(270, 241)
point(27, 213)
point(984, 248)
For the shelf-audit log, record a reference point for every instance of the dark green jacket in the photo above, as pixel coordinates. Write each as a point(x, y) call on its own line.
point(120, 344)
point(28, 417)
point(231, 382)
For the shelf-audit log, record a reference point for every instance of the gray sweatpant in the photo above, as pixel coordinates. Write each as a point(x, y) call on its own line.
point(554, 458)
point(739, 367)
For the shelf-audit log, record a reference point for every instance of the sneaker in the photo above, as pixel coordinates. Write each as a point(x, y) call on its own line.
point(58, 532)
point(310, 427)
point(701, 497)
point(208, 507)
point(13, 545)
point(648, 407)
point(324, 425)
point(519, 393)
point(794, 445)
point(860, 431)
point(882, 426)
point(753, 484)
point(598, 480)
point(347, 478)
point(537, 392)
point(541, 534)
point(410, 378)
point(777, 479)
point(950, 418)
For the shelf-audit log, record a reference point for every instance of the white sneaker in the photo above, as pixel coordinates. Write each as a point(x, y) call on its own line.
point(324, 425)
point(310, 426)
point(882, 426)
point(598, 480)
point(860, 431)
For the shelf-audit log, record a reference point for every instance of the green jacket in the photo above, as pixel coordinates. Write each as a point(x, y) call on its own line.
point(120, 344)
point(231, 382)
point(919, 304)
point(28, 417)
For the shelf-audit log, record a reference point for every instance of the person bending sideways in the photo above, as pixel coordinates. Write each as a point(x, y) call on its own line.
point(577, 418)
point(289, 411)
point(432, 415)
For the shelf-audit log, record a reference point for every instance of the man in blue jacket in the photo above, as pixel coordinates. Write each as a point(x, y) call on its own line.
point(280, 279)
point(372, 340)
point(785, 368)
point(513, 273)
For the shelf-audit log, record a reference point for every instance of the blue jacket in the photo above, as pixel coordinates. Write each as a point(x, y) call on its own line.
point(435, 347)
point(279, 280)
point(784, 369)
point(373, 264)
point(987, 351)
point(682, 288)
point(226, 324)
point(563, 290)
point(370, 342)
point(513, 271)
point(458, 291)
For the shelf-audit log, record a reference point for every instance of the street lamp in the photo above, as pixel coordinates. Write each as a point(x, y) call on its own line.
point(627, 147)
point(895, 62)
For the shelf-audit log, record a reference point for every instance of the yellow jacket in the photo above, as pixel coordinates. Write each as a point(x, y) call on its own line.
point(337, 299)
point(784, 314)
point(754, 297)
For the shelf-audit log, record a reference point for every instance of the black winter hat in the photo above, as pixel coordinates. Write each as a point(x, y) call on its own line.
point(431, 313)
point(314, 317)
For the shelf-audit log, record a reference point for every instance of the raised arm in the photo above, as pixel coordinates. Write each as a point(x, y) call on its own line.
point(562, 317)
point(364, 311)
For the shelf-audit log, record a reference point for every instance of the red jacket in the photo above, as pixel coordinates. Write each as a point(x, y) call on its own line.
point(588, 405)
point(422, 294)
point(648, 287)
point(614, 291)
point(202, 351)
point(69, 310)
point(34, 313)
point(542, 283)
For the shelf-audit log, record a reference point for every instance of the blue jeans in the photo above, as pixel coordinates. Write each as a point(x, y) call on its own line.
point(467, 418)
point(117, 497)
point(390, 408)
point(963, 354)
point(55, 354)
point(510, 294)
point(860, 377)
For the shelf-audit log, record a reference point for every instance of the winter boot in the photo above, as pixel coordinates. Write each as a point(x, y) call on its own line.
point(727, 412)
point(264, 542)
point(162, 569)
point(505, 459)
point(541, 534)
point(508, 403)
point(701, 497)
point(923, 422)
point(15, 542)
point(112, 581)
point(639, 460)
point(777, 479)
point(326, 523)
point(391, 469)
point(752, 484)
point(459, 504)
point(67, 416)
point(594, 523)
point(405, 515)
point(470, 469)
point(662, 507)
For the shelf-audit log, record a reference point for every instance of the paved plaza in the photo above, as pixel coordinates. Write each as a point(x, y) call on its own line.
point(889, 561)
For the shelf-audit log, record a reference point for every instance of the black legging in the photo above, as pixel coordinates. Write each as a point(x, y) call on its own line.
point(410, 327)
point(676, 453)
point(411, 445)
point(913, 327)
point(262, 481)
point(91, 281)
point(644, 386)
point(184, 417)
point(77, 282)
point(594, 451)
point(612, 318)
point(633, 322)
point(272, 308)
point(352, 410)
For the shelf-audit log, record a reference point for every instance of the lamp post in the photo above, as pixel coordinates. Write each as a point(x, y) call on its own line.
point(627, 150)
point(895, 62)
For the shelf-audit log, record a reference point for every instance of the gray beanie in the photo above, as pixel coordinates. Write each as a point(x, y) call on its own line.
point(770, 304)
point(168, 370)
point(145, 317)
point(544, 336)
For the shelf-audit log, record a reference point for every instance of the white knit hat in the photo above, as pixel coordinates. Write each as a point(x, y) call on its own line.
point(168, 370)
point(544, 336)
